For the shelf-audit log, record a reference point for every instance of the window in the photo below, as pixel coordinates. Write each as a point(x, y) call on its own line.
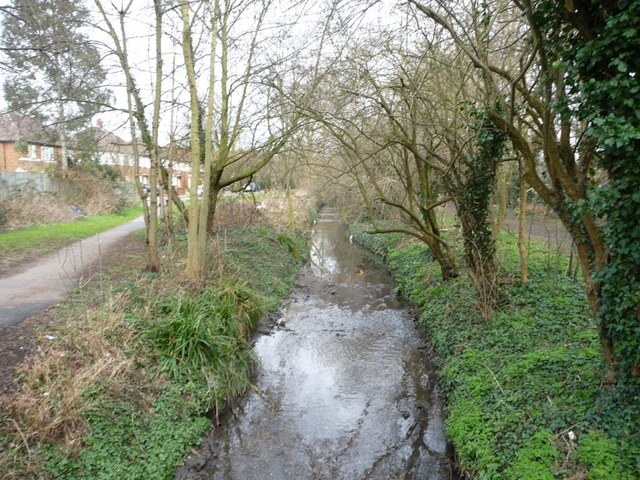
point(32, 151)
point(47, 154)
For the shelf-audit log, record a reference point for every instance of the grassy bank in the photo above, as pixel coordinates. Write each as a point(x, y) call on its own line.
point(522, 389)
point(19, 245)
point(122, 387)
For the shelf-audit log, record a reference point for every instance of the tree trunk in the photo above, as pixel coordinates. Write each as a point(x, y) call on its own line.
point(62, 121)
point(64, 160)
point(152, 146)
point(522, 218)
point(479, 248)
point(503, 197)
point(585, 253)
point(443, 255)
point(445, 260)
point(194, 266)
point(290, 210)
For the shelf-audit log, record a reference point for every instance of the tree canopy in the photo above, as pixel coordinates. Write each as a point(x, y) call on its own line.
point(53, 70)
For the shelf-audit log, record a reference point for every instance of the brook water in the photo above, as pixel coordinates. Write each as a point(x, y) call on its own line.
point(345, 388)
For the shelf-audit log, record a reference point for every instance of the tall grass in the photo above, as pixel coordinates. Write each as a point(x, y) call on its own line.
point(204, 336)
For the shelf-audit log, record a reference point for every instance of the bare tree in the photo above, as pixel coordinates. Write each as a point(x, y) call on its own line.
point(534, 88)
point(244, 127)
point(138, 118)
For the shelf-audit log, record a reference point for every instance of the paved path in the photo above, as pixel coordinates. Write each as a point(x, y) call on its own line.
point(48, 280)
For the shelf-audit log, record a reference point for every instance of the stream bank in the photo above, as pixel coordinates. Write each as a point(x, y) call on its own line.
point(522, 389)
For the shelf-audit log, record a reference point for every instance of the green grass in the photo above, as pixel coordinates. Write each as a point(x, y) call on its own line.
point(516, 385)
point(20, 246)
point(31, 237)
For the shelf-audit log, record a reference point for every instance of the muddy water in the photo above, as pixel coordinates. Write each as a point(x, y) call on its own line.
point(345, 388)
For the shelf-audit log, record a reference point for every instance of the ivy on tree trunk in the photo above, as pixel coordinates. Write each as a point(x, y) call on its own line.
point(473, 201)
point(597, 44)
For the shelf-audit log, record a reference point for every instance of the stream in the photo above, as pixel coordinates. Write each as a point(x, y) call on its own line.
point(346, 388)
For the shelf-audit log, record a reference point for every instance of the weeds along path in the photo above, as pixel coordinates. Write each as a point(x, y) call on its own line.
point(48, 280)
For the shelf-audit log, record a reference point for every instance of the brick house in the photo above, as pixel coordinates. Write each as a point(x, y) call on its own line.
point(25, 145)
point(177, 160)
point(109, 149)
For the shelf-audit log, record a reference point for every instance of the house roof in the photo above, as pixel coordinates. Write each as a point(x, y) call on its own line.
point(106, 141)
point(110, 142)
point(14, 126)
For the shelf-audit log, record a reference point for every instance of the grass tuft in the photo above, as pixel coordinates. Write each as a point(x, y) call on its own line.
point(204, 337)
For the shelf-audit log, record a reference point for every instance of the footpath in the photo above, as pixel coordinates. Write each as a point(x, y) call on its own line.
point(47, 281)
point(26, 295)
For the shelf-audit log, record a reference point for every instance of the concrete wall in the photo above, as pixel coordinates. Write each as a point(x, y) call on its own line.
point(13, 182)
point(16, 183)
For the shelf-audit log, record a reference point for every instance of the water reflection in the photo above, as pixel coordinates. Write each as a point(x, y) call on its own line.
point(331, 256)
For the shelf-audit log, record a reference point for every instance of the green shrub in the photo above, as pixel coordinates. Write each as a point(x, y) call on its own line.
point(380, 244)
point(409, 266)
point(536, 460)
point(473, 437)
point(126, 442)
point(293, 244)
point(265, 261)
point(599, 455)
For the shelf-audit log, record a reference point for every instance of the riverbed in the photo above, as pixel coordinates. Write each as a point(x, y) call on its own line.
point(345, 389)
